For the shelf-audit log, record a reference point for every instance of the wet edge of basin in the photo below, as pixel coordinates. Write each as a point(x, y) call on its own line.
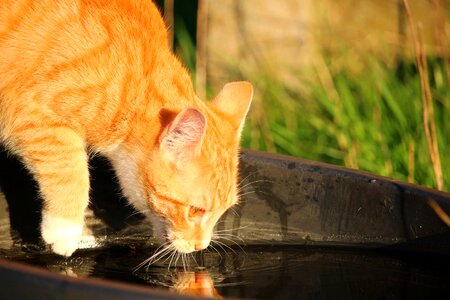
point(341, 206)
point(20, 281)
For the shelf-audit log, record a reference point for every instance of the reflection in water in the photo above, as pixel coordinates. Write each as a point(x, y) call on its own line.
point(177, 280)
point(189, 276)
point(269, 273)
point(195, 284)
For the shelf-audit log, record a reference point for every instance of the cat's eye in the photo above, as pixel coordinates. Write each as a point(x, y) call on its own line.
point(196, 212)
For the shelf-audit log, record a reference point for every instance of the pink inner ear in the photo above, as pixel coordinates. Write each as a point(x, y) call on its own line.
point(183, 137)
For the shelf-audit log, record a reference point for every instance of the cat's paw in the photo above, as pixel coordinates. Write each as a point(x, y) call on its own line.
point(63, 235)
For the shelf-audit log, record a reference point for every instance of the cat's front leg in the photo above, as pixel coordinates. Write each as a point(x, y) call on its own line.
point(59, 163)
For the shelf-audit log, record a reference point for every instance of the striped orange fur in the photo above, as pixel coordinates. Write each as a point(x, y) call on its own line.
point(97, 76)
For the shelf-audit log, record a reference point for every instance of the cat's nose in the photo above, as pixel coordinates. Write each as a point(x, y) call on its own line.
point(201, 244)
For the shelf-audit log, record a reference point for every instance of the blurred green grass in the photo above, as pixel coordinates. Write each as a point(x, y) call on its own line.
point(371, 120)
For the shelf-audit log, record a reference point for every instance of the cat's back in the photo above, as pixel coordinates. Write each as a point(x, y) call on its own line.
point(15, 12)
point(38, 36)
point(76, 59)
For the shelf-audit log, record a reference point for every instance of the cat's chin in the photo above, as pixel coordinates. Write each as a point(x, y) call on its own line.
point(183, 246)
point(164, 235)
point(188, 246)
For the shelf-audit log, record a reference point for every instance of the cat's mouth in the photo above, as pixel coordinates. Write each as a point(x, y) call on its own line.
point(178, 240)
point(188, 246)
point(184, 245)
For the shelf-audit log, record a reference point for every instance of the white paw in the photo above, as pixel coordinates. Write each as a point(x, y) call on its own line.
point(63, 235)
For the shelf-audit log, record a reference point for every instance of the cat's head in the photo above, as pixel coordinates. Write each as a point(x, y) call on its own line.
point(193, 174)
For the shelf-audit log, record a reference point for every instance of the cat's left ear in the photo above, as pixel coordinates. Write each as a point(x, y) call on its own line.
point(182, 139)
point(234, 100)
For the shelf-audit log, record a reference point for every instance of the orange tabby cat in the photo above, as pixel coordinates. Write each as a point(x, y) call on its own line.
point(97, 76)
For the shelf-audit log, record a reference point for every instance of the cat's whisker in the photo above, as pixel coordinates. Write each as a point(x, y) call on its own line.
point(234, 228)
point(216, 242)
point(255, 191)
point(222, 245)
point(220, 223)
point(230, 237)
point(246, 193)
point(233, 211)
point(252, 198)
point(177, 258)
point(227, 231)
point(215, 249)
point(160, 256)
point(171, 257)
point(170, 261)
point(245, 178)
point(183, 258)
point(142, 264)
point(227, 234)
point(223, 250)
point(160, 252)
point(135, 269)
point(248, 175)
point(164, 247)
point(231, 241)
point(251, 190)
point(255, 181)
point(193, 257)
point(145, 261)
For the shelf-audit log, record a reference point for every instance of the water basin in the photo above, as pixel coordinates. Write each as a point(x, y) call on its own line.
point(303, 230)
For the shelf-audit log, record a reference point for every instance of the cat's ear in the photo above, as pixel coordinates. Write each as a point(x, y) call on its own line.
point(234, 100)
point(182, 139)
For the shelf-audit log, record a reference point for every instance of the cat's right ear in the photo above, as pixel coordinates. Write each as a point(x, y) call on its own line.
point(234, 100)
point(182, 139)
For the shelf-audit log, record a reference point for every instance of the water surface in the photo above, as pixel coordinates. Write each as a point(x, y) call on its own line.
point(269, 272)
